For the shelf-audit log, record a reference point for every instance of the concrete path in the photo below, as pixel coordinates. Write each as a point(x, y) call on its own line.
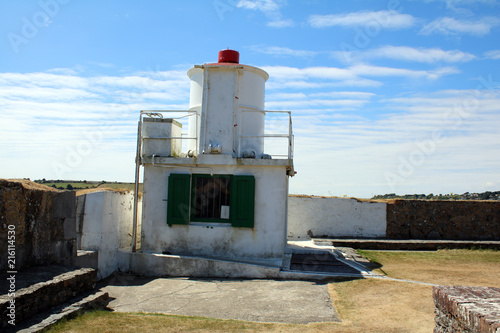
point(299, 302)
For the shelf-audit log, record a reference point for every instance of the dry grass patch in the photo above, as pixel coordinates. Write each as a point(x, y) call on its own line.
point(446, 267)
point(374, 305)
point(105, 322)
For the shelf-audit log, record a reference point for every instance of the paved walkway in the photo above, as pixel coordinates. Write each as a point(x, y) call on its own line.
point(299, 302)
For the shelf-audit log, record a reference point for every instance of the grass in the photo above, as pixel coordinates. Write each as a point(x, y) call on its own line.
point(364, 305)
point(82, 186)
point(448, 267)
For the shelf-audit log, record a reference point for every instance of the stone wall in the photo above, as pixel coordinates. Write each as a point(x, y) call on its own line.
point(467, 309)
point(43, 219)
point(44, 294)
point(453, 220)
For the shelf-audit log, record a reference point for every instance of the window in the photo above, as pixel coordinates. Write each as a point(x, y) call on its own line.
point(211, 197)
point(205, 198)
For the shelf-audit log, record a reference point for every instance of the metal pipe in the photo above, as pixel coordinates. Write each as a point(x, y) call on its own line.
point(290, 134)
point(190, 167)
point(136, 190)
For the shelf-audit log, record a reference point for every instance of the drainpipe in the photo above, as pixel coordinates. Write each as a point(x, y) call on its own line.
point(136, 191)
point(286, 211)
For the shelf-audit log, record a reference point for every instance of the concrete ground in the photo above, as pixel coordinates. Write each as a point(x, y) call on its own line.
point(298, 302)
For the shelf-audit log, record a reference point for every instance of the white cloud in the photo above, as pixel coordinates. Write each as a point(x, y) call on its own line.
point(271, 9)
point(369, 70)
point(456, 4)
point(493, 54)
point(50, 115)
point(282, 51)
point(280, 23)
point(388, 19)
point(283, 77)
point(343, 94)
point(452, 26)
point(419, 54)
point(440, 138)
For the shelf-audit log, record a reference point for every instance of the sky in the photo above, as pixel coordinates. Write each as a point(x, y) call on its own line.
point(386, 96)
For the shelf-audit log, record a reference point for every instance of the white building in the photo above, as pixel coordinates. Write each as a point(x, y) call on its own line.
point(218, 191)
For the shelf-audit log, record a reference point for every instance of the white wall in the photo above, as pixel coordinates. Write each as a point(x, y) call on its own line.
point(335, 217)
point(107, 227)
point(263, 243)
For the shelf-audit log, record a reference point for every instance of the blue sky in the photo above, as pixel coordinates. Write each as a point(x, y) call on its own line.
point(386, 96)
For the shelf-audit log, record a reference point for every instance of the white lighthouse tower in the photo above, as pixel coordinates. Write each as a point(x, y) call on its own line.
point(215, 192)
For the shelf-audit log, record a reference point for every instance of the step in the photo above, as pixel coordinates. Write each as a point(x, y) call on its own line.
point(87, 259)
point(93, 300)
point(320, 263)
point(39, 288)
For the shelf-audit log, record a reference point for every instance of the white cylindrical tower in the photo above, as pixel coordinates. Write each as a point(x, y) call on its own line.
point(229, 99)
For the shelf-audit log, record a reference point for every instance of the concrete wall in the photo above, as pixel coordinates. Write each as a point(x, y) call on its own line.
point(335, 217)
point(43, 219)
point(106, 226)
point(264, 242)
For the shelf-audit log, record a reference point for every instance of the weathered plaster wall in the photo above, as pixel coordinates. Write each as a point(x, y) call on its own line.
point(456, 220)
point(106, 226)
point(44, 222)
point(466, 309)
point(334, 217)
point(265, 241)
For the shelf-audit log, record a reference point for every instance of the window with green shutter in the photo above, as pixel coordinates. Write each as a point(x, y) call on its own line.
point(217, 198)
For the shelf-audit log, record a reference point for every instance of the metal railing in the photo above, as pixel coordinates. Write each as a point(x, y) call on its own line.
point(138, 157)
point(159, 114)
point(288, 135)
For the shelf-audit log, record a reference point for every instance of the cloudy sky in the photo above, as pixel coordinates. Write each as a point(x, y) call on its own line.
point(386, 96)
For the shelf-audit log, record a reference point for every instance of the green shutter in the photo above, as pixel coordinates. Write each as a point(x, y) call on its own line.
point(178, 199)
point(242, 201)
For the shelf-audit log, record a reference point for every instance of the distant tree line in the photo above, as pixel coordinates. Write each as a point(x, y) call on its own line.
point(488, 195)
point(69, 183)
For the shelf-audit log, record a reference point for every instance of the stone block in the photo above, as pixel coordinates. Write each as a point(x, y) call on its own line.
point(64, 205)
point(467, 309)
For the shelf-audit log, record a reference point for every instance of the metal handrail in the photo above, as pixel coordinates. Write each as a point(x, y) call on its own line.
point(289, 135)
point(138, 159)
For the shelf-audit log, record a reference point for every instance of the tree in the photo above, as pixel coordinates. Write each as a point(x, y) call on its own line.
point(69, 187)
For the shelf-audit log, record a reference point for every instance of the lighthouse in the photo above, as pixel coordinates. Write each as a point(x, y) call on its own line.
point(216, 189)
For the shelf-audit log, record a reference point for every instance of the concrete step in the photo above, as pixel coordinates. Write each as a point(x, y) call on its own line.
point(36, 289)
point(320, 263)
point(87, 259)
point(406, 244)
point(90, 300)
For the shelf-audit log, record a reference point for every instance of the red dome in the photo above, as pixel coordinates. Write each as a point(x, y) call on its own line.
point(230, 56)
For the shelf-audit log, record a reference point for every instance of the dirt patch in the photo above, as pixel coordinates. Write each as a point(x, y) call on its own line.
point(101, 189)
point(384, 306)
point(27, 184)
